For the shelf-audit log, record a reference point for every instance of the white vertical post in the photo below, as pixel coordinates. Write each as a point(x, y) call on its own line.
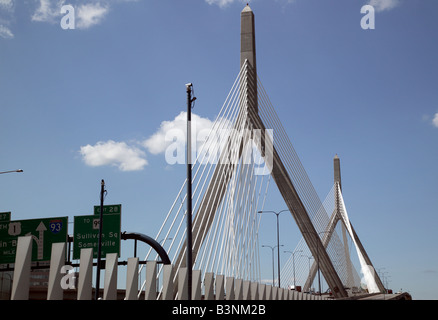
point(23, 258)
point(209, 286)
point(167, 293)
point(132, 279)
point(254, 291)
point(110, 286)
point(274, 293)
point(246, 290)
point(151, 281)
point(268, 292)
point(279, 294)
point(57, 261)
point(262, 292)
point(182, 284)
point(85, 274)
point(196, 285)
point(230, 288)
point(220, 293)
point(238, 289)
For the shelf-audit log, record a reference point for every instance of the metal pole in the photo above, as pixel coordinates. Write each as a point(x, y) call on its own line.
point(273, 267)
point(278, 240)
point(293, 263)
point(189, 191)
point(319, 276)
point(99, 247)
point(278, 249)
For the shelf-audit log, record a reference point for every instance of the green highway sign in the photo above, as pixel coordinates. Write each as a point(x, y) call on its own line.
point(86, 234)
point(44, 232)
point(112, 208)
point(5, 216)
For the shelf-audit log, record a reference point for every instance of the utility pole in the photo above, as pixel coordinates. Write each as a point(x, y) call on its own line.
point(99, 247)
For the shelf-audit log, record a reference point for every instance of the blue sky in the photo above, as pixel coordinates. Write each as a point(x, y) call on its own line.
point(81, 105)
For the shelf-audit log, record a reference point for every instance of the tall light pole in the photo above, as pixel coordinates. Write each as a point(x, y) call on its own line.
point(273, 268)
point(189, 244)
point(317, 257)
point(308, 257)
point(278, 239)
point(11, 171)
point(293, 262)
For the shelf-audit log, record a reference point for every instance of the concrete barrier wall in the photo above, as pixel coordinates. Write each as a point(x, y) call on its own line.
point(212, 287)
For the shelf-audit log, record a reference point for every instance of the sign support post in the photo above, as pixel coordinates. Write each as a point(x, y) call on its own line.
point(99, 245)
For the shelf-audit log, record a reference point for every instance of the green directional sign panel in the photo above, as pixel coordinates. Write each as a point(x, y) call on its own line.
point(112, 208)
point(44, 232)
point(86, 234)
point(5, 216)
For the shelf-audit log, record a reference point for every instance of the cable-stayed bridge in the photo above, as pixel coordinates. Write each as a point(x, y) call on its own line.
point(246, 150)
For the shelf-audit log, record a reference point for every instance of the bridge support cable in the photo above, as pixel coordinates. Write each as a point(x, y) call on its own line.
point(231, 176)
point(223, 181)
point(371, 278)
point(306, 204)
point(171, 228)
point(305, 271)
point(305, 265)
point(225, 191)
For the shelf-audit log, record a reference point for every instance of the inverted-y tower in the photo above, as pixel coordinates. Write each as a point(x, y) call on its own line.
point(279, 172)
point(337, 213)
point(207, 209)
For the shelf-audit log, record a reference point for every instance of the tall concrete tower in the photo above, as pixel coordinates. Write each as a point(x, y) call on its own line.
point(247, 37)
point(248, 53)
point(337, 170)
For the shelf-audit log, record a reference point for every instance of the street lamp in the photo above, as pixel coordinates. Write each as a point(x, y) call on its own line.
point(278, 239)
point(19, 170)
point(308, 257)
point(293, 262)
point(272, 248)
point(317, 257)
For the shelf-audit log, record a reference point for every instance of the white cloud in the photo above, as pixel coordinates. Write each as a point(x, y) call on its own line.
point(120, 154)
point(177, 128)
point(224, 3)
point(90, 14)
point(6, 11)
point(48, 11)
point(382, 5)
point(5, 32)
point(435, 120)
point(86, 14)
point(6, 4)
point(220, 3)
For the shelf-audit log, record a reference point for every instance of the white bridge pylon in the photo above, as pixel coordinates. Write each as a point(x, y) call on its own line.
point(246, 148)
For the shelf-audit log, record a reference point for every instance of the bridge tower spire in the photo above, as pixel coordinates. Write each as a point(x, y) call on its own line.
point(225, 169)
point(334, 219)
point(337, 170)
point(248, 56)
point(247, 37)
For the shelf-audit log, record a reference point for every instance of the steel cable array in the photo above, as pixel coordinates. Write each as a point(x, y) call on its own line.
point(228, 161)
